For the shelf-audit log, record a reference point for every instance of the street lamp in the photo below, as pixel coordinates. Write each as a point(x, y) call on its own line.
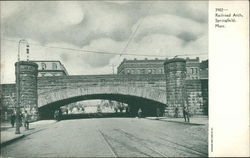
point(18, 84)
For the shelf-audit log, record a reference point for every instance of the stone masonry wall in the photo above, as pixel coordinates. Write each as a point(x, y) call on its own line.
point(194, 97)
point(7, 99)
point(47, 84)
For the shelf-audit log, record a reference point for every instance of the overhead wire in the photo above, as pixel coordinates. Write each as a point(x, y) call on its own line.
point(134, 32)
point(105, 52)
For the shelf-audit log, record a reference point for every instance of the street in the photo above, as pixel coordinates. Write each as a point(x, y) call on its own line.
point(113, 137)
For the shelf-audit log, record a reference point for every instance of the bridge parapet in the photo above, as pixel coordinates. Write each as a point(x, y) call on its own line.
point(101, 78)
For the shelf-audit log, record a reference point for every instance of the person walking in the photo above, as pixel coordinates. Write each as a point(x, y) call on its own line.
point(56, 115)
point(158, 112)
point(26, 120)
point(139, 113)
point(12, 119)
point(176, 112)
point(186, 114)
point(59, 114)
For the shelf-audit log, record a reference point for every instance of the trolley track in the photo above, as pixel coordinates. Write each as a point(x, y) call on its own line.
point(140, 142)
point(176, 146)
point(112, 150)
point(108, 141)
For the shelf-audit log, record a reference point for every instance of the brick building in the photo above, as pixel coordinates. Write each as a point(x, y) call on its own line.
point(193, 68)
point(145, 66)
point(50, 68)
point(204, 69)
point(156, 66)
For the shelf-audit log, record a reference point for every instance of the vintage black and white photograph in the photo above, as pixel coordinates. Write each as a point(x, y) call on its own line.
point(104, 79)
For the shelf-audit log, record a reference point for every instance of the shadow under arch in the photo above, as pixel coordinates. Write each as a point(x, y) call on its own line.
point(148, 106)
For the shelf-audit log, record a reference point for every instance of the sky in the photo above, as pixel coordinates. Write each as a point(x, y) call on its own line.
point(124, 29)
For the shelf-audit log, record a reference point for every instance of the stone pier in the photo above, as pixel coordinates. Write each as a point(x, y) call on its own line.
point(28, 87)
point(175, 70)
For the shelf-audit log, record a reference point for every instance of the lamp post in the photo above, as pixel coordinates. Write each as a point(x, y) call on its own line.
point(27, 49)
point(18, 85)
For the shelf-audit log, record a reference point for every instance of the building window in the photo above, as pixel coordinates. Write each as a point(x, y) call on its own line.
point(149, 71)
point(161, 71)
point(128, 71)
point(153, 71)
point(54, 66)
point(43, 66)
point(192, 69)
point(142, 71)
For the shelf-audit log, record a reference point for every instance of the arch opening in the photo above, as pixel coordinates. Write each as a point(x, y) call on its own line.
point(148, 106)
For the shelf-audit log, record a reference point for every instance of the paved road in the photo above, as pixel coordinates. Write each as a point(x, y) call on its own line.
point(112, 137)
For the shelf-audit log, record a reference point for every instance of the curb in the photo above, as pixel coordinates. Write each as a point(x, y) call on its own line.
point(186, 123)
point(11, 140)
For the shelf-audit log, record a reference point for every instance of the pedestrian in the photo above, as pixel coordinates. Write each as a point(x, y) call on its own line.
point(26, 120)
point(56, 115)
point(186, 114)
point(158, 112)
point(59, 114)
point(176, 112)
point(116, 109)
point(139, 113)
point(126, 109)
point(5, 116)
point(12, 119)
point(20, 118)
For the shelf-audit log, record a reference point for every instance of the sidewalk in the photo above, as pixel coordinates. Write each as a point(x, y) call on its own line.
point(194, 120)
point(8, 133)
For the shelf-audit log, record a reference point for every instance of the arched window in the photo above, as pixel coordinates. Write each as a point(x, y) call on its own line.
point(54, 66)
point(43, 66)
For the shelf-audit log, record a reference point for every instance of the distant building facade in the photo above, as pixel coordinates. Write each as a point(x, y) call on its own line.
point(50, 68)
point(204, 69)
point(145, 66)
point(194, 68)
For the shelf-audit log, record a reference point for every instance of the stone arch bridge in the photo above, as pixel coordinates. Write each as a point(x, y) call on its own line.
point(42, 95)
point(142, 91)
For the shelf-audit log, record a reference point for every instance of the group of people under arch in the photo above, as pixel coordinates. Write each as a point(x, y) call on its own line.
point(186, 115)
point(23, 118)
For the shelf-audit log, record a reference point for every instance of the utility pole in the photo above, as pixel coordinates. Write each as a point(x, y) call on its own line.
point(18, 112)
point(113, 68)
